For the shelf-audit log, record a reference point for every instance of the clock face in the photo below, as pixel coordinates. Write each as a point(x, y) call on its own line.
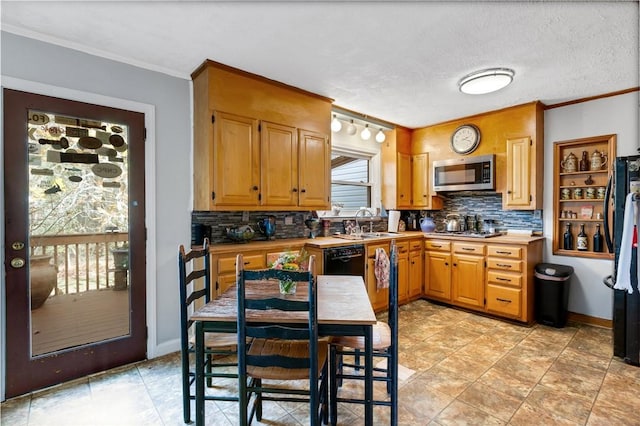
point(465, 139)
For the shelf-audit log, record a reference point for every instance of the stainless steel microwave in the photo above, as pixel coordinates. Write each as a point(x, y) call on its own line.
point(464, 174)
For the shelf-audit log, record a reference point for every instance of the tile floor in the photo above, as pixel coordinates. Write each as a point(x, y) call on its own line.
point(469, 369)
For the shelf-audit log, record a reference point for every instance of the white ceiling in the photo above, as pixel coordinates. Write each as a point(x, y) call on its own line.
point(397, 61)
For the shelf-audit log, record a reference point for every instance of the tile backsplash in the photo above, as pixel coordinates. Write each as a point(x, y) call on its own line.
point(486, 205)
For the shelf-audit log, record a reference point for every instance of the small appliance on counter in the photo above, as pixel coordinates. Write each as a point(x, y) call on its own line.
point(267, 226)
point(313, 224)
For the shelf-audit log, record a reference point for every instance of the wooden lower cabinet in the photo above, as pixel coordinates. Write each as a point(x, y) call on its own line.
point(223, 265)
point(224, 269)
point(510, 279)
point(467, 274)
point(379, 297)
point(437, 270)
point(403, 271)
point(493, 277)
point(415, 269)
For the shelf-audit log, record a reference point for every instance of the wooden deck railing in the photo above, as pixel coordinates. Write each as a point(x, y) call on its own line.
point(84, 261)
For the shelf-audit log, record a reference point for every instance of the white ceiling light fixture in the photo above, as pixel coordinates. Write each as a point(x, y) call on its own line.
point(336, 125)
point(356, 122)
point(351, 129)
point(486, 81)
point(366, 133)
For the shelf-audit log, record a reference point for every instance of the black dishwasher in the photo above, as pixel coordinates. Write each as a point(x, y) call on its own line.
point(345, 260)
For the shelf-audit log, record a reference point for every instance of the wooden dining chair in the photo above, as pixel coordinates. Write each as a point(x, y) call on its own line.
point(284, 343)
point(195, 290)
point(385, 346)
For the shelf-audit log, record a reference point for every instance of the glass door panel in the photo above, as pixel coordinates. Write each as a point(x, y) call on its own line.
point(78, 231)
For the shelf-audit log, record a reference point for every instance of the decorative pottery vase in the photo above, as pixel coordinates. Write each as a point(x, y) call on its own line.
point(44, 277)
point(570, 163)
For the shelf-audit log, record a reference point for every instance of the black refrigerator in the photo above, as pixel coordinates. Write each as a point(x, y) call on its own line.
point(626, 307)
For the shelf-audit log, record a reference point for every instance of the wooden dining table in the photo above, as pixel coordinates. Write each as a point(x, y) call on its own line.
point(344, 309)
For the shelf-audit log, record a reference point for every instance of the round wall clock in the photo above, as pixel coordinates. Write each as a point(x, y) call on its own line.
point(465, 139)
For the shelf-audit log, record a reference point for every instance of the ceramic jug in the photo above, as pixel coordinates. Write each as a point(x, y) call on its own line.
point(268, 226)
point(598, 160)
point(570, 163)
point(427, 224)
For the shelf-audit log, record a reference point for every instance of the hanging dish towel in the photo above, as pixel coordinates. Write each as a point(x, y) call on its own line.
point(382, 269)
point(623, 274)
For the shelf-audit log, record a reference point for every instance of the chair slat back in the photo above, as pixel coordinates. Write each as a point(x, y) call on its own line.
point(192, 267)
point(268, 300)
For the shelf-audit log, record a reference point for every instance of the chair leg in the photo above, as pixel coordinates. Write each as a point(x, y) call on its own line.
point(335, 361)
point(325, 395)
point(258, 401)
point(186, 396)
point(208, 370)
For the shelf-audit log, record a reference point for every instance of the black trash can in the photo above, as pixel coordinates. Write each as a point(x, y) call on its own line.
point(552, 293)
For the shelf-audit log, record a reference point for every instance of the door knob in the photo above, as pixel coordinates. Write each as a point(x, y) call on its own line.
point(17, 263)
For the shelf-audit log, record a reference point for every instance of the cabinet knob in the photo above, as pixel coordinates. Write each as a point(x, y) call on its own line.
point(303, 190)
point(255, 187)
point(295, 189)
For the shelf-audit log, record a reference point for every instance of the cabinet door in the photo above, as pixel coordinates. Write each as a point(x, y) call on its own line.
point(518, 174)
point(379, 297)
point(437, 272)
point(404, 180)
point(420, 180)
point(467, 280)
point(279, 165)
point(236, 159)
point(403, 272)
point(415, 274)
point(314, 169)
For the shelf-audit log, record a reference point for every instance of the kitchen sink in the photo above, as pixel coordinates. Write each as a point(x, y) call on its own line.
point(367, 235)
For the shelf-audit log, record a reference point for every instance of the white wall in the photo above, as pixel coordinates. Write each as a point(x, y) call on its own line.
point(619, 115)
point(56, 70)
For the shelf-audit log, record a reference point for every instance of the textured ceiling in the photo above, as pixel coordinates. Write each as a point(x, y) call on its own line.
point(397, 61)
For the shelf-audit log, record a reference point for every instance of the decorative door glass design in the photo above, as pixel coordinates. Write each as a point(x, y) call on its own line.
point(78, 231)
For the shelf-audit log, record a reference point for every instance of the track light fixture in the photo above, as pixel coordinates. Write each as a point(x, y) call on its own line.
point(352, 129)
point(336, 125)
point(355, 121)
point(366, 133)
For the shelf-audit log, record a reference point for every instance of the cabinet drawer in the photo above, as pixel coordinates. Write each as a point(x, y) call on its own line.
point(415, 245)
point(403, 248)
point(251, 261)
point(504, 278)
point(504, 300)
point(504, 264)
point(513, 252)
point(437, 245)
point(469, 248)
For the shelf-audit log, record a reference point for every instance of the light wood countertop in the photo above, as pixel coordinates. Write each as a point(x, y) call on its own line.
point(327, 242)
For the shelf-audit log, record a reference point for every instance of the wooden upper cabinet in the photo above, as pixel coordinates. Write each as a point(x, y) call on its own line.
point(514, 135)
point(518, 168)
point(279, 165)
point(236, 152)
point(258, 143)
point(420, 179)
point(404, 181)
point(314, 169)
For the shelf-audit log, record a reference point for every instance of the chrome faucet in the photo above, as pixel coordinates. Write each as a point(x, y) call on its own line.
point(364, 213)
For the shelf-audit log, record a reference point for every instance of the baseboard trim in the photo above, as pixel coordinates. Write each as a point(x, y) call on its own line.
point(586, 319)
